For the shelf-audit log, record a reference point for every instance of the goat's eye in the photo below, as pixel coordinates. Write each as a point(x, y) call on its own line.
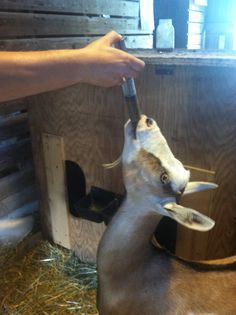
point(164, 178)
point(149, 122)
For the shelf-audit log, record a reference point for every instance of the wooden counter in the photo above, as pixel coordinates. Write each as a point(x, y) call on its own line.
point(187, 57)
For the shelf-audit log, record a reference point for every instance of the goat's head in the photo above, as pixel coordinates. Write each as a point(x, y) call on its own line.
point(153, 173)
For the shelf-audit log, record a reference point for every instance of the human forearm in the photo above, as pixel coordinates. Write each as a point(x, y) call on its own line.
point(27, 73)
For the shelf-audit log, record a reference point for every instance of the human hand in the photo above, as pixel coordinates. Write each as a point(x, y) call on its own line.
point(103, 65)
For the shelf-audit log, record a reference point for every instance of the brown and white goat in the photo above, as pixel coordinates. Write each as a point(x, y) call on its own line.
point(134, 277)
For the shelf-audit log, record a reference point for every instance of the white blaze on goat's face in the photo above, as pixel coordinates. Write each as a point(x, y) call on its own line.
point(150, 169)
point(151, 153)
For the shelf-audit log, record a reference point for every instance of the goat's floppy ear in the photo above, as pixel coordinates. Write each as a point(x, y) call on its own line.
point(189, 218)
point(193, 187)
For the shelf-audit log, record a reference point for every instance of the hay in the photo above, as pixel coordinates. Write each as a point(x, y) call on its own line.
point(47, 280)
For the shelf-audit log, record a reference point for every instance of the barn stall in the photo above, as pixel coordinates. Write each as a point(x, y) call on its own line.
point(75, 130)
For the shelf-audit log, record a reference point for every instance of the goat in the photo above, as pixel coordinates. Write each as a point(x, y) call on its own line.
point(134, 277)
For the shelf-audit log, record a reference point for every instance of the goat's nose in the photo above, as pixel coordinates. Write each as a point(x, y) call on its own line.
point(149, 121)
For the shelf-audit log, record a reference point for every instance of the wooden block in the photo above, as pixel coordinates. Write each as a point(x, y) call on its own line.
point(195, 28)
point(197, 17)
point(55, 174)
point(194, 7)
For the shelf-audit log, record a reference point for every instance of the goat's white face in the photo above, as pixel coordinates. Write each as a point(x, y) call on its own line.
point(152, 172)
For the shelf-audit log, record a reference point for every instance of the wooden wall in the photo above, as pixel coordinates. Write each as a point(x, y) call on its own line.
point(17, 182)
point(196, 110)
point(51, 24)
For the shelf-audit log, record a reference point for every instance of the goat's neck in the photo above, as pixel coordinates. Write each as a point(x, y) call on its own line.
point(128, 235)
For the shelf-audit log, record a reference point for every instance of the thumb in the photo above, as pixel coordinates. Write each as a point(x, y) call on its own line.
point(111, 38)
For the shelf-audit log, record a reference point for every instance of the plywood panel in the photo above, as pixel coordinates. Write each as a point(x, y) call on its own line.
point(86, 114)
point(192, 244)
point(85, 237)
point(109, 7)
point(68, 231)
point(196, 110)
point(82, 122)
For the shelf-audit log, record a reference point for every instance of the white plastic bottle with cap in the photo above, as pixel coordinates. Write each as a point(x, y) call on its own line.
point(165, 35)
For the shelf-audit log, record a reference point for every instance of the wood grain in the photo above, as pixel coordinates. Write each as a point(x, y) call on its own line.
point(192, 244)
point(180, 57)
point(13, 131)
point(195, 109)
point(132, 41)
point(53, 149)
point(33, 24)
point(83, 129)
point(26, 195)
point(108, 7)
point(85, 237)
point(43, 25)
point(15, 154)
point(13, 183)
point(7, 108)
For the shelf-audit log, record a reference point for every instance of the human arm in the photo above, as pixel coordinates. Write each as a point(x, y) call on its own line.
point(28, 73)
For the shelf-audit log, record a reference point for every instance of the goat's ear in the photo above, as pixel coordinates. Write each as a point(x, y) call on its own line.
point(193, 187)
point(189, 218)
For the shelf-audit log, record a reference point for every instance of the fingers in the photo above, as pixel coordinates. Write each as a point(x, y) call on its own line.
point(130, 73)
point(135, 63)
point(111, 38)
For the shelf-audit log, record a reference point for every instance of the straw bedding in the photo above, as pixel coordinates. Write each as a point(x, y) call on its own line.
point(44, 279)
